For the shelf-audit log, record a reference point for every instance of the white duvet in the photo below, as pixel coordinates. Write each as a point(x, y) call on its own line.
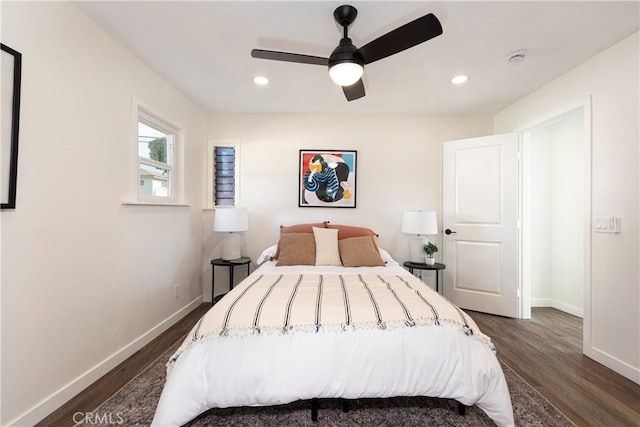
point(271, 369)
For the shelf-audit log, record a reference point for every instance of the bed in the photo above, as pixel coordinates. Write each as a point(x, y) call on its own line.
point(293, 331)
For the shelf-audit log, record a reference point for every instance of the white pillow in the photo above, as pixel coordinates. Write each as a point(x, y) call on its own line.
point(327, 252)
point(267, 254)
point(388, 259)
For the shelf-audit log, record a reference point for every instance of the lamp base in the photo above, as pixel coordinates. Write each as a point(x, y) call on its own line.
point(231, 247)
point(416, 251)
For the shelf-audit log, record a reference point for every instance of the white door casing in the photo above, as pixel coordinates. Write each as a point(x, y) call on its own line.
point(481, 208)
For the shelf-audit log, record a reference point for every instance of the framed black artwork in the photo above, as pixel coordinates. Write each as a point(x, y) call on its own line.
point(327, 179)
point(11, 62)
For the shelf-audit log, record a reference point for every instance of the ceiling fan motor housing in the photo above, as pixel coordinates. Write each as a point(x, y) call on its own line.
point(345, 52)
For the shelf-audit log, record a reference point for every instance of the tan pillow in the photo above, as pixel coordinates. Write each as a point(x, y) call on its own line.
point(327, 252)
point(296, 228)
point(359, 252)
point(297, 249)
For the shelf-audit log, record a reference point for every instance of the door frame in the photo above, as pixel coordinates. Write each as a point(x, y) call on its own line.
point(525, 301)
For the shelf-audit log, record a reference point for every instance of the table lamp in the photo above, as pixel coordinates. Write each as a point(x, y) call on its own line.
point(419, 223)
point(231, 221)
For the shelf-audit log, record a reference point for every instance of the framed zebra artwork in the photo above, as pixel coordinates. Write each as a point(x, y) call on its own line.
point(327, 179)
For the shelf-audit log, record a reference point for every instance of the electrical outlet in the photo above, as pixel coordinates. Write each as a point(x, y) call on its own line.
point(176, 291)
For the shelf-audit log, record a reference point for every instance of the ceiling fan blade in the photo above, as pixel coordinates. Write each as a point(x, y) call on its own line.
point(409, 35)
point(289, 57)
point(355, 91)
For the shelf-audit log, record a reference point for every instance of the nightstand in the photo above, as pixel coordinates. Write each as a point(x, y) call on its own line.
point(422, 266)
point(219, 262)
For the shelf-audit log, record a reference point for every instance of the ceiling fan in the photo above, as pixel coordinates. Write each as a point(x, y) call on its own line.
point(346, 62)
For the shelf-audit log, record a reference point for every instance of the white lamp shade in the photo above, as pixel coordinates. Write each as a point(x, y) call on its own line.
point(419, 222)
point(230, 220)
point(346, 73)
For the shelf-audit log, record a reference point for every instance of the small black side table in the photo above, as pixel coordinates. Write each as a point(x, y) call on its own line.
point(422, 266)
point(219, 262)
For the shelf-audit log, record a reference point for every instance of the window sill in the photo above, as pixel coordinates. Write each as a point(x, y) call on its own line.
point(136, 203)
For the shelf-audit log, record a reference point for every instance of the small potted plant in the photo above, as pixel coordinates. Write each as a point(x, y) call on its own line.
point(429, 250)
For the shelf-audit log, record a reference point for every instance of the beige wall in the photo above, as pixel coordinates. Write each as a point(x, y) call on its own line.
point(399, 168)
point(86, 281)
point(611, 80)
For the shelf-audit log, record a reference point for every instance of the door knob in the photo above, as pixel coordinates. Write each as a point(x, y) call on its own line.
point(448, 231)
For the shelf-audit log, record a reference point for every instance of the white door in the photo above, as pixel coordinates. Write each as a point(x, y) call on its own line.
point(480, 222)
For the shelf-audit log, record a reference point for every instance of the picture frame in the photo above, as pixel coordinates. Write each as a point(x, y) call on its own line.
point(11, 62)
point(327, 178)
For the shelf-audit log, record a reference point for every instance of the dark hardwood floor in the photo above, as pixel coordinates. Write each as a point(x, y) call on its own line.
point(546, 351)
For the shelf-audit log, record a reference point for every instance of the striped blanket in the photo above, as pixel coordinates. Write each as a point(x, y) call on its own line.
point(313, 303)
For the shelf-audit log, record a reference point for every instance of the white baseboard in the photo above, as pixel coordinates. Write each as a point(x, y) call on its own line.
point(614, 364)
point(550, 302)
point(540, 302)
point(576, 311)
point(62, 396)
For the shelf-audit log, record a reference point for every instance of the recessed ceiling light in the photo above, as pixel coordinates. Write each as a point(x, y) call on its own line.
point(458, 80)
point(261, 80)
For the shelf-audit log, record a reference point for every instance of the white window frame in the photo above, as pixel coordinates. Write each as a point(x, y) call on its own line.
point(211, 170)
point(141, 112)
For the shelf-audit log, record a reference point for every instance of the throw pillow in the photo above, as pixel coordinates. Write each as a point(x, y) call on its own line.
point(297, 249)
point(359, 252)
point(327, 252)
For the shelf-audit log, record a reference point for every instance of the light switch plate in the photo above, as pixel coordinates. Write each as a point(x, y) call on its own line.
point(607, 224)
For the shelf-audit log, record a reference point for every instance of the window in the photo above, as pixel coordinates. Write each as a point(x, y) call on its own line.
point(223, 185)
point(157, 142)
point(225, 190)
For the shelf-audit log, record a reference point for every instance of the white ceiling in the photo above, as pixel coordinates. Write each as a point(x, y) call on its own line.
point(203, 48)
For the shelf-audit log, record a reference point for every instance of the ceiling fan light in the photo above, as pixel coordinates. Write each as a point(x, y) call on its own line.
point(346, 73)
